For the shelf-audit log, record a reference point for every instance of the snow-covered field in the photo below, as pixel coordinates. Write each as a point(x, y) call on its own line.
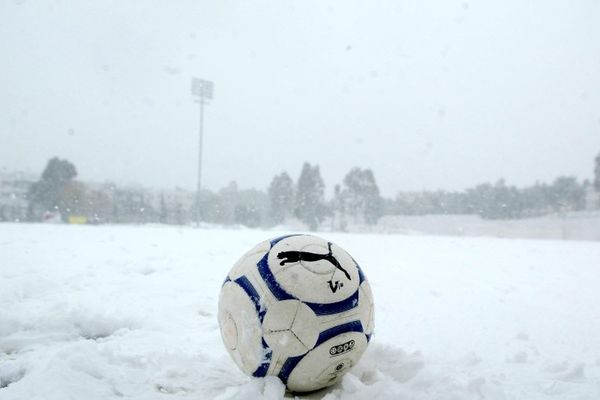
point(582, 225)
point(112, 312)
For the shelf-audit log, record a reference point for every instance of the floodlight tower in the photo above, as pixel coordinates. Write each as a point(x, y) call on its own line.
point(202, 90)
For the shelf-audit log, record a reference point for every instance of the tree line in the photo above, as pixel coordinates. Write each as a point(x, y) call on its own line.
point(496, 201)
point(58, 193)
point(356, 200)
point(357, 197)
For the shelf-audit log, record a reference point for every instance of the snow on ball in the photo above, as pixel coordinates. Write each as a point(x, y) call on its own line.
point(297, 307)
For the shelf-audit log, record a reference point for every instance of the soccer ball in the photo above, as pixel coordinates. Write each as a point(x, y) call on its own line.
point(297, 307)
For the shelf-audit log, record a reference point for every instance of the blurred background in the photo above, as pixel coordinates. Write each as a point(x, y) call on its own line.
point(440, 117)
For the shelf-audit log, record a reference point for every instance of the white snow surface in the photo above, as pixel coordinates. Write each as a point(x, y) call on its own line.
point(111, 312)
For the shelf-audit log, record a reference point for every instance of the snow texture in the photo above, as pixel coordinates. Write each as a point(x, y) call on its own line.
point(129, 312)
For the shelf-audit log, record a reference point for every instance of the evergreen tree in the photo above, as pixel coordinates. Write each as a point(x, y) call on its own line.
point(246, 215)
point(47, 193)
point(281, 196)
point(209, 206)
point(228, 200)
point(482, 200)
point(252, 206)
point(361, 194)
point(310, 205)
point(536, 200)
point(497, 201)
point(178, 214)
point(339, 209)
point(566, 194)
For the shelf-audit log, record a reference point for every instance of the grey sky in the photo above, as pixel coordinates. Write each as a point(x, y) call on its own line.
point(429, 94)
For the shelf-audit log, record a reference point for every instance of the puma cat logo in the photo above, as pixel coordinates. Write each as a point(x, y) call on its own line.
point(297, 256)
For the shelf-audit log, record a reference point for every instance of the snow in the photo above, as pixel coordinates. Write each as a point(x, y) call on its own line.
point(580, 225)
point(106, 312)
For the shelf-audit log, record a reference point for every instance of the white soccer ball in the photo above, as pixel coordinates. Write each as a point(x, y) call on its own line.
point(297, 307)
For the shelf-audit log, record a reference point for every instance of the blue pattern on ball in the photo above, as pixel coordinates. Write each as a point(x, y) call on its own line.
point(292, 362)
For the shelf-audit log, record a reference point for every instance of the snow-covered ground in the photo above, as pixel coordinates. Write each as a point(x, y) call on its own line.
point(112, 312)
point(583, 225)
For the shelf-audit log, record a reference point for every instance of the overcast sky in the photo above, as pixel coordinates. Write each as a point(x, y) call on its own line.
point(429, 94)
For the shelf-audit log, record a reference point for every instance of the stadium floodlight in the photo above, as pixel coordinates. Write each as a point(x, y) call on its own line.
point(202, 90)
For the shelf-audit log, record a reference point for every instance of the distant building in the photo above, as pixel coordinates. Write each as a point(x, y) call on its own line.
point(136, 204)
point(172, 206)
point(13, 195)
point(100, 202)
point(129, 204)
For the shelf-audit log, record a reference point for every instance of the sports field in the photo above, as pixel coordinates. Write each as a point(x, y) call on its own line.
point(107, 312)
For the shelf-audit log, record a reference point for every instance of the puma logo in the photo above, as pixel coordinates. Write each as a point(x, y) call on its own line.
point(297, 256)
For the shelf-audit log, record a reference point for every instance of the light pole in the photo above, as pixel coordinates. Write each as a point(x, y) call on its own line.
point(202, 90)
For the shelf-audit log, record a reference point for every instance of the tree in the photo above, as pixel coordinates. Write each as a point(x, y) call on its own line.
point(497, 201)
point(246, 215)
point(209, 206)
point(46, 194)
point(254, 207)
point(338, 207)
point(228, 200)
point(163, 214)
point(310, 203)
point(566, 194)
point(281, 196)
point(178, 214)
point(361, 195)
point(235, 206)
point(536, 200)
point(597, 174)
